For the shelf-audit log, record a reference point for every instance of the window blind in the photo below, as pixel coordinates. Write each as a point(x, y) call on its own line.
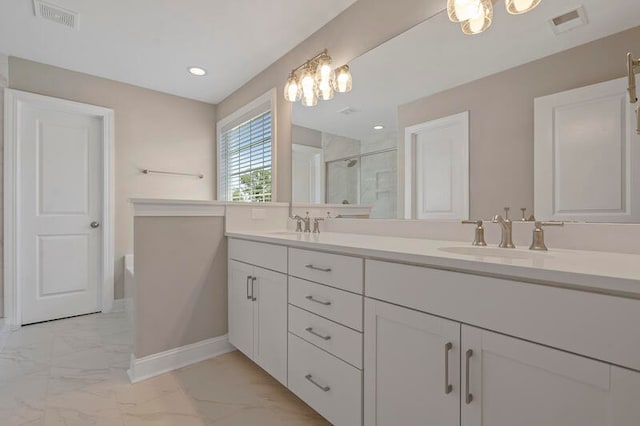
point(245, 160)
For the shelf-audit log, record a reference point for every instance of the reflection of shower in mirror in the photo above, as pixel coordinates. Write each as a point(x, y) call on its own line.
point(632, 66)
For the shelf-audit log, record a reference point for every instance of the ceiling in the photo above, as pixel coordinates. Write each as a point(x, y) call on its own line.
point(150, 43)
point(435, 56)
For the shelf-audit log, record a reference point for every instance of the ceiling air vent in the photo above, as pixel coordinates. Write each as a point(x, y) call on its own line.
point(569, 21)
point(56, 14)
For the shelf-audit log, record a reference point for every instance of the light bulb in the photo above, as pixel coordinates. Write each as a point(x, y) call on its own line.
point(482, 22)
point(292, 92)
point(516, 7)
point(325, 77)
point(344, 81)
point(463, 10)
point(309, 88)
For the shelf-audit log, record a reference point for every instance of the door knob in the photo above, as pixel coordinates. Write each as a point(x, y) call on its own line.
point(95, 225)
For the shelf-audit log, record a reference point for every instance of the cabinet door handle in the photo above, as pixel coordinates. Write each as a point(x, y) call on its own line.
point(315, 333)
point(248, 279)
point(447, 386)
point(309, 377)
point(253, 283)
point(316, 268)
point(468, 397)
point(313, 299)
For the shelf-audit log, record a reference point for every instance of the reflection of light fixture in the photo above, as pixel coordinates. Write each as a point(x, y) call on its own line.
point(378, 127)
point(476, 16)
point(197, 71)
point(316, 79)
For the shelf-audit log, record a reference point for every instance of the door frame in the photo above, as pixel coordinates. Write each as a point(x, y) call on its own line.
point(12, 213)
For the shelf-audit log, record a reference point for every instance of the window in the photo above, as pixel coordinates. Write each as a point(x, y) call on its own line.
point(245, 145)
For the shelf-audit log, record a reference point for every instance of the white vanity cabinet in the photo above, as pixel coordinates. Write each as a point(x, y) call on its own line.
point(511, 381)
point(258, 310)
point(496, 380)
point(412, 367)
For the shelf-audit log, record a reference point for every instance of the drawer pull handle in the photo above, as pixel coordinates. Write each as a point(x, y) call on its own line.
point(468, 398)
point(447, 386)
point(316, 268)
point(310, 330)
point(309, 377)
point(313, 299)
point(248, 280)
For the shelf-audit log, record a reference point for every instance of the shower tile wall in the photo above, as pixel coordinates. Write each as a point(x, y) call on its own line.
point(378, 185)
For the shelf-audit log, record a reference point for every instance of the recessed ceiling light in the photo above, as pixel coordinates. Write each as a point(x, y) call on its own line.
point(197, 71)
point(378, 127)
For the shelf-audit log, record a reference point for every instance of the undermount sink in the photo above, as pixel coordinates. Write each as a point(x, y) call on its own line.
point(494, 252)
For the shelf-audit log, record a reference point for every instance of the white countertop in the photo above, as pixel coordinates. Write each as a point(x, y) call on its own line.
point(611, 273)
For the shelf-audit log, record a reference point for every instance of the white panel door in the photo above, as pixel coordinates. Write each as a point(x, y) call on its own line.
point(411, 368)
point(241, 306)
point(60, 162)
point(270, 322)
point(587, 155)
point(437, 169)
point(307, 174)
point(513, 382)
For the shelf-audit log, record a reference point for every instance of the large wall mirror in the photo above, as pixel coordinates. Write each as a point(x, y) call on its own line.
point(440, 125)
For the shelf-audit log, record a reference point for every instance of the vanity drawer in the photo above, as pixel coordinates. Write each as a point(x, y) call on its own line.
point(330, 386)
point(337, 305)
point(339, 340)
point(267, 256)
point(343, 272)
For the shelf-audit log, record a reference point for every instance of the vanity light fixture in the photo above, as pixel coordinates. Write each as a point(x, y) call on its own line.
point(317, 80)
point(378, 127)
point(198, 71)
point(476, 16)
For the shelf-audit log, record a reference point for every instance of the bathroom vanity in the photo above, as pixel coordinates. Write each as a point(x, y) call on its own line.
point(394, 331)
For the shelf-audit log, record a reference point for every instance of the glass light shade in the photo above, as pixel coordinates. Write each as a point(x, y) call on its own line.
point(516, 7)
point(292, 90)
point(344, 81)
point(482, 22)
point(309, 88)
point(325, 77)
point(463, 10)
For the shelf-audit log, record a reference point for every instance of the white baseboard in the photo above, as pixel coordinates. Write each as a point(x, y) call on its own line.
point(163, 362)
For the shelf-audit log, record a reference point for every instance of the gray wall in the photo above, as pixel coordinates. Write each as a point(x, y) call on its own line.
point(4, 82)
point(180, 295)
point(501, 114)
point(152, 130)
point(363, 26)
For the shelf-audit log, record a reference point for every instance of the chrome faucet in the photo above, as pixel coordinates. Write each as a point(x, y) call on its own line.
point(316, 225)
point(298, 220)
point(307, 223)
point(507, 229)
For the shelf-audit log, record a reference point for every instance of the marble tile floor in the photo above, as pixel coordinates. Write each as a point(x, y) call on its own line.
point(72, 372)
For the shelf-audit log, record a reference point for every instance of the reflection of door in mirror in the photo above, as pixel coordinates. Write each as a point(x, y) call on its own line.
point(308, 181)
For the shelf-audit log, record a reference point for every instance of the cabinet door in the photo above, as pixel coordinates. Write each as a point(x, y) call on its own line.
point(270, 322)
point(407, 381)
point(513, 382)
point(241, 307)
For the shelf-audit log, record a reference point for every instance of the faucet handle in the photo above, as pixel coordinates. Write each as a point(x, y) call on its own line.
point(479, 235)
point(316, 224)
point(538, 235)
point(506, 213)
